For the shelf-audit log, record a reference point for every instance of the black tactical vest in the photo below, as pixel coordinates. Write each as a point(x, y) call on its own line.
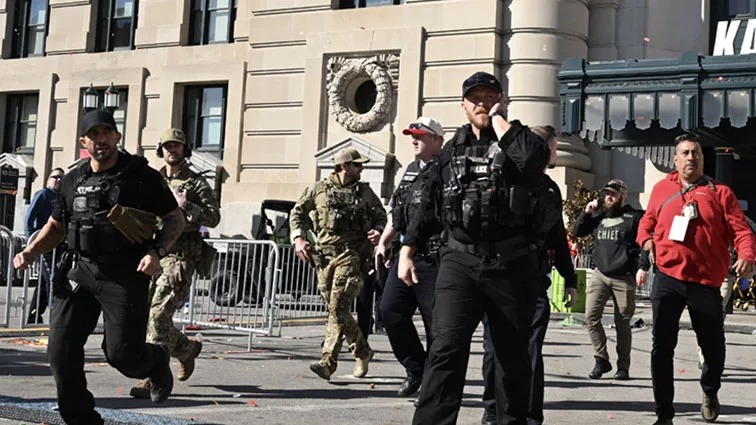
point(89, 232)
point(488, 198)
point(407, 198)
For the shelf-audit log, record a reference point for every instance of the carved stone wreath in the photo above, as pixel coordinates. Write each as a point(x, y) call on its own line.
point(342, 72)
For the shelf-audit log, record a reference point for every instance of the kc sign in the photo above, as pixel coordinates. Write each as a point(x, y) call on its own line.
point(730, 33)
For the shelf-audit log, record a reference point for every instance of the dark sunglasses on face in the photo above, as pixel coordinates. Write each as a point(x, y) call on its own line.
point(356, 164)
point(56, 177)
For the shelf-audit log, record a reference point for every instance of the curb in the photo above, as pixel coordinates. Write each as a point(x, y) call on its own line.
point(739, 328)
point(24, 333)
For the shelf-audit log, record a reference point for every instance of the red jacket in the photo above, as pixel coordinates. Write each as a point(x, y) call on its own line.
point(703, 256)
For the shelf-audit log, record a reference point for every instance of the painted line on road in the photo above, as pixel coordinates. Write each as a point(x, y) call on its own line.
point(184, 411)
point(739, 419)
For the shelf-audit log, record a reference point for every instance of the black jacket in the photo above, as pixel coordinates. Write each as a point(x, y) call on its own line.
point(615, 252)
point(556, 240)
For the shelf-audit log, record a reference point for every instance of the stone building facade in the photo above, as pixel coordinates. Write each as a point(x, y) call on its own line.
point(270, 89)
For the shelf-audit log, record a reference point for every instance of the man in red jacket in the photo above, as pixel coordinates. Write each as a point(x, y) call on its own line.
point(689, 223)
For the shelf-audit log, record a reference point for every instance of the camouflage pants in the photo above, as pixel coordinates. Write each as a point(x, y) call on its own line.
point(168, 293)
point(339, 283)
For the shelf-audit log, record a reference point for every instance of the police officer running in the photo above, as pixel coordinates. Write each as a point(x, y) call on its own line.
point(348, 218)
point(107, 211)
point(558, 252)
point(488, 183)
point(171, 289)
point(399, 300)
point(616, 255)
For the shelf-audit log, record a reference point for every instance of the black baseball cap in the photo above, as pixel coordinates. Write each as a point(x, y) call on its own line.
point(480, 79)
point(615, 185)
point(94, 118)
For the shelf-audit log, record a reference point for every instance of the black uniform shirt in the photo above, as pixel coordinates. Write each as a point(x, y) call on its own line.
point(149, 192)
point(523, 148)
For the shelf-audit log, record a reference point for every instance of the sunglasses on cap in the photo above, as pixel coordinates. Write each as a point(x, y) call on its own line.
point(614, 187)
point(421, 126)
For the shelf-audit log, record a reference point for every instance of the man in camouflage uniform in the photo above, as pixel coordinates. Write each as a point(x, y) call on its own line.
point(171, 289)
point(348, 219)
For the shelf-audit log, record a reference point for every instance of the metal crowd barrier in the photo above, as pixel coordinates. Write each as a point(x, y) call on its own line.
point(240, 292)
point(8, 249)
point(19, 285)
point(40, 273)
point(13, 297)
point(255, 287)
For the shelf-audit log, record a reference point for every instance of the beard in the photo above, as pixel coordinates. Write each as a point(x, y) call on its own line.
point(174, 160)
point(104, 155)
point(479, 120)
point(612, 210)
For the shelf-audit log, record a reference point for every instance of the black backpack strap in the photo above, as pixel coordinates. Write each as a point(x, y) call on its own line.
point(703, 180)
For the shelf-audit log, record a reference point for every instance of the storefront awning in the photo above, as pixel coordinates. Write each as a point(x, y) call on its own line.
point(649, 102)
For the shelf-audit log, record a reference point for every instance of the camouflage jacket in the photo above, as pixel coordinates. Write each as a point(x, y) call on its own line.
point(201, 208)
point(339, 215)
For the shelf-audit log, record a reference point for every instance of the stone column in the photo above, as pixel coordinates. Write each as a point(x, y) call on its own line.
point(542, 34)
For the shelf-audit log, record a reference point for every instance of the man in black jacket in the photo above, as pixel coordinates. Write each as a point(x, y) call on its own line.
point(559, 254)
point(616, 256)
point(489, 185)
point(400, 301)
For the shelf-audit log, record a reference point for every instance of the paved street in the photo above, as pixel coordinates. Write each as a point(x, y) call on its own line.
point(272, 384)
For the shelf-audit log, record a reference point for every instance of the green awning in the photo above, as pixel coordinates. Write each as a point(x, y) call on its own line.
point(651, 101)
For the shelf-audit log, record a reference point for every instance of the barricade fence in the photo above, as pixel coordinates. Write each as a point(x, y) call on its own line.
point(253, 286)
point(9, 245)
point(27, 293)
point(238, 293)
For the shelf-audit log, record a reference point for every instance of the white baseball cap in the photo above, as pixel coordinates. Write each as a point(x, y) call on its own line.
point(424, 125)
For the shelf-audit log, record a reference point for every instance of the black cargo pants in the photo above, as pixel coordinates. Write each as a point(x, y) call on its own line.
point(467, 287)
point(121, 294)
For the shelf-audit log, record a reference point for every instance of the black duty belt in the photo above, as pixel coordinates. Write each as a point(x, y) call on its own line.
point(507, 249)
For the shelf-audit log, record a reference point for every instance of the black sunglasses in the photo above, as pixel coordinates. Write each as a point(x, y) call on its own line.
point(421, 126)
point(56, 177)
point(356, 164)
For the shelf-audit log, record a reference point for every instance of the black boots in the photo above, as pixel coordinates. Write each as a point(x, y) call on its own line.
point(602, 366)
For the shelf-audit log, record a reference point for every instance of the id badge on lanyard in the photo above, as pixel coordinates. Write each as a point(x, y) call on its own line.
point(681, 222)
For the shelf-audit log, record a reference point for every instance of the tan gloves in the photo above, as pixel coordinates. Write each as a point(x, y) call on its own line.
point(136, 225)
